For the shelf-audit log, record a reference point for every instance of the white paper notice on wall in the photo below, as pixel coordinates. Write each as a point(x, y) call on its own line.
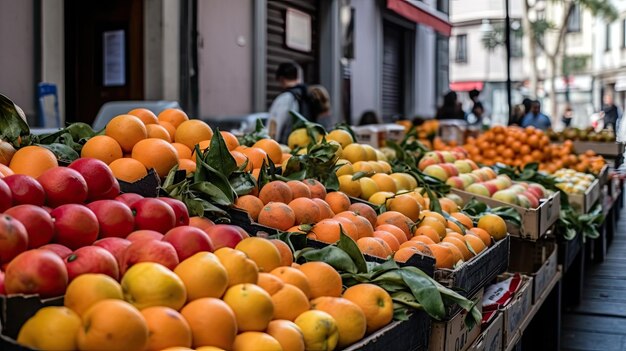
point(298, 34)
point(114, 58)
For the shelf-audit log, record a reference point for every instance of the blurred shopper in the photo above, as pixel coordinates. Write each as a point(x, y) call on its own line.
point(451, 108)
point(610, 113)
point(568, 114)
point(535, 118)
point(319, 106)
point(517, 115)
point(369, 117)
point(475, 118)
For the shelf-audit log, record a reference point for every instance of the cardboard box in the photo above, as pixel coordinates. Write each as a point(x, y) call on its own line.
point(477, 272)
point(536, 259)
point(491, 337)
point(535, 221)
point(603, 176)
point(409, 335)
point(377, 135)
point(453, 334)
point(582, 203)
point(608, 149)
point(517, 310)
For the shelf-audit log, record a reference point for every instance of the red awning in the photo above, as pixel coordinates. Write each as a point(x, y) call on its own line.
point(466, 86)
point(421, 16)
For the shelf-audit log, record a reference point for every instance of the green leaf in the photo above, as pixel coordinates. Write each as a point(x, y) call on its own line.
point(12, 121)
point(80, 130)
point(334, 256)
point(425, 291)
point(216, 179)
point(219, 157)
point(63, 152)
point(242, 182)
point(350, 247)
point(213, 193)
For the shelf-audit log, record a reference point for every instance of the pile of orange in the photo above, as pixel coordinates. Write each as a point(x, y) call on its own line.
point(247, 298)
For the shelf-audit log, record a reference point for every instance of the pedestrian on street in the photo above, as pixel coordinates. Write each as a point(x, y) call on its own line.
point(535, 118)
point(610, 113)
point(451, 108)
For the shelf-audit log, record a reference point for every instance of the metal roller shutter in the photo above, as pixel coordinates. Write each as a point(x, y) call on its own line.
point(277, 52)
point(393, 67)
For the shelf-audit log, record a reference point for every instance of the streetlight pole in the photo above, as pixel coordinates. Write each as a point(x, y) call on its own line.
point(507, 40)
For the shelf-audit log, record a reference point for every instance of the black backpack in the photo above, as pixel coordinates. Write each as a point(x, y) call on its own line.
point(306, 105)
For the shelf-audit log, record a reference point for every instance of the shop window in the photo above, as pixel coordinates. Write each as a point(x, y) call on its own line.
point(461, 48)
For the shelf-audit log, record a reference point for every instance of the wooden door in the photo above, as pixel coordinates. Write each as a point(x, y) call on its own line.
point(103, 55)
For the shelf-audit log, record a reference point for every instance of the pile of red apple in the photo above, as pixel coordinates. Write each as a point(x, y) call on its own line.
point(73, 220)
point(501, 188)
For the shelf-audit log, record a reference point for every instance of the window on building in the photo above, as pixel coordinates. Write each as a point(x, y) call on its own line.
point(607, 37)
point(442, 79)
point(461, 48)
point(573, 22)
point(443, 6)
point(516, 44)
point(624, 33)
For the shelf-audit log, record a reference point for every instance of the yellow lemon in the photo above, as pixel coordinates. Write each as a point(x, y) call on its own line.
point(341, 136)
point(368, 187)
point(319, 329)
point(87, 289)
point(51, 328)
point(348, 186)
point(148, 284)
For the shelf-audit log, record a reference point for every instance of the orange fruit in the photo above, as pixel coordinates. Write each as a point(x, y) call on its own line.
point(424, 239)
point(157, 154)
point(277, 215)
point(349, 227)
point(286, 256)
point(456, 252)
point(363, 226)
point(253, 340)
point(450, 234)
point(103, 148)
point(127, 130)
point(255, 156)
point(112, 325)
point(365, 211)
point(389, 238)
point(448, 205)
point(88, 289)
point(337, 201)
point(261, 251)
point(398, 219)
point(434, 224)
point(385, 182)
point(230, 139)
point(272, 148)
point(444, 257)
point(253, 306)
point(328, 230)
point(289, 302)
point(158, 131)
point(145, 115)
point(323, 279)
point(319, 330)
point(128, 169)
point(203, 275)
point(476, 243)
point(287, 333)
point(50, 328)
point(461, 218)
point(33, 161)
point(270, 283)
point(428, 231)
point(494, 225)
point(240, 159)
point(405, 204)
point(166, 328)
point(438, 216)
point(397, 232)
point(405, 253)
point(186, 165)
point(276, 191)
point(222, 324)
point(375, 303)
point(317, 188)
point(460, 245)
point(192, 132)
point(239, 267)
point(482, 234)
point(325, 210)
point(173, 116)
point(250, 204)
point(305, 210)
point(374, 247)
point(171, 130)
point(349, 317)
point(295, 277)
point(298, 189)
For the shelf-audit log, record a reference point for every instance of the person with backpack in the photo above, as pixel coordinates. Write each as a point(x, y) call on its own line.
point(311, 102)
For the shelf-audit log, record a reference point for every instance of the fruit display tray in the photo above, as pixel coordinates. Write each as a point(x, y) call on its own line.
point(474, 274)
point(242, 219)
point(582, 203)
point(568, 250)
point(15, 310)
point(603, 176)
point(608, 149)
point(537, 259)
point(147, 186)
point(535, 221)
point(411, 335)
point(452, 333)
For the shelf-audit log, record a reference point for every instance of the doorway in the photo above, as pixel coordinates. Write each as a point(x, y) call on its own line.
point(103, 55)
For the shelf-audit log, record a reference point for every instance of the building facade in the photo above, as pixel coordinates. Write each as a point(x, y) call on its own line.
point(218, 58)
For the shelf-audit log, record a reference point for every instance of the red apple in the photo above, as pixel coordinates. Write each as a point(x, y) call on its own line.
point(6, 199)
point(491, 187)
point(13, 238)
point(25, 190)
point(180, 210)
point(188, 241)
point(243, 232)
point(224, 235)
point(534, 201)
point(139, 235)
point(38, 223)
point(450, 168)
point(114, 192)
point(149, 251)
point(537, 190)
point(75, 226)
point(129, 198)
point(426, 161)
point(2, 290)
point(60, 250)
point(114, 218)
point(97, 174)
point(116, 246)
point(201, 223)
point(36, 272)
point(63, 186)
point(91, 259)
point(153, 214)
point(455, 182)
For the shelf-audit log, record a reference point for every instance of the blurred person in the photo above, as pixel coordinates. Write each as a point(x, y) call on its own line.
point(319, 105)
point(535, 118)
point(568, 114)
point(517, 115)
point(369, 117)
point(527, 103)
point(475, 117)
point(610, 113)
point(451, 108)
